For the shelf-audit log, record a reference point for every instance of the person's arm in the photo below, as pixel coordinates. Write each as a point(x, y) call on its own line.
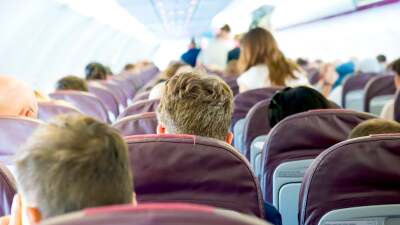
point(328, 78)
point(16, 213)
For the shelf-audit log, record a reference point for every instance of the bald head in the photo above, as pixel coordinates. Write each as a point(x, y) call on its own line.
point(16, 98)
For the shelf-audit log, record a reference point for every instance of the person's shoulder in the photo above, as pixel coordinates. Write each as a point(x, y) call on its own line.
point(4, 220)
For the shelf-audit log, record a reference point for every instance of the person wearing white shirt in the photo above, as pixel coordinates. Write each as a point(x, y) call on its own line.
point(215, 55)
point(264, 65)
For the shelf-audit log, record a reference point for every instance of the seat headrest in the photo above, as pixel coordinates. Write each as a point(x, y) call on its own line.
point(193, 169)
point(151, 214)
point(358, 172)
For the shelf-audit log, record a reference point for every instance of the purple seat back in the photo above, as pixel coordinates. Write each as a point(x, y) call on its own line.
point(85, 102)
point(48, 110)
point(116, 89)
point(305, 136)
point(7, 190)
point(314, 75)
point(106, 96)
point(13, 133)
point(359, 172)
point(142, 96)
point(353, 83)
point(232, 83)
point(378, 86)
point(244, 101)
point(145, 123)
point(193, 169)
point(397, 107)
point(140, 107)
point(126, 86)
point(256, 124)
point(155, 214)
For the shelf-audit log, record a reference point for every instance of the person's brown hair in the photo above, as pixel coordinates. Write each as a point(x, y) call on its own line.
point(258, 46)
point(72, 83)
point(375, 126)
point(395, 66)
point(72, 163)
point(172, 68)
point(197, 105)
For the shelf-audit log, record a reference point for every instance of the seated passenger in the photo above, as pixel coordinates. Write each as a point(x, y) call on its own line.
point(72, 163)
point(72, 83)
point(388, 109)
point(375, 126)
point(95, 71)
point(264, 65)
point(200, 105)
point(197, 105)
point(17, 98)
point(291, 101)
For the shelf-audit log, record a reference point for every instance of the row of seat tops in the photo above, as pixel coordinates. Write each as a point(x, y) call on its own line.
point(224, 178)
point(107, 99)
point(156, 213)
point(175, 178)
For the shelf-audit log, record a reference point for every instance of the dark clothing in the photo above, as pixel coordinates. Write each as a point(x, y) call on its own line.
point(272, 215)
point(190, 56)
point(234, 54)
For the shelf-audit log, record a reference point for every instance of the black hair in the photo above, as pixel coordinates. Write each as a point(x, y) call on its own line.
point(395, 66)
point(291, 101)
point(95, 71)
point(381, 58)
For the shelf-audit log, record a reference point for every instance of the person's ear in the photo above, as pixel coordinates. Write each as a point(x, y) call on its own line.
point(160, 128)
point(134, 201)
point(27, 112)
point(229, 138)
point(34, 215)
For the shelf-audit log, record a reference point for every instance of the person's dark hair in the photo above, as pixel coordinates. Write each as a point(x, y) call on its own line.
point(375, 126)
point(302, 62)
point(74, 162)
point(291, 101)
point(226, 28)
point(395, 66)
point(129, 66)
point(95, 71)
point(381, 58)
point(72, 83)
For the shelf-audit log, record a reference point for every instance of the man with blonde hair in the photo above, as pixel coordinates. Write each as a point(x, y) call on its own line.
point(16, 98)
point(73, 162)
point(197, 105)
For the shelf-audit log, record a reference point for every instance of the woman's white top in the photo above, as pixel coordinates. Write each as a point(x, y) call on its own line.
point(258, 77)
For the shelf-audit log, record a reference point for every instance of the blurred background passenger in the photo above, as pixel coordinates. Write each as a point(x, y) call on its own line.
point(382, 62)
point(72, 83)
point(375, 126)
point(264, 65)
point(388, 109)
point(95, 71)
point(129, 69)
point(291, 101)
point(214, 56)
point(234, 54)
point(190, 56)
point(370, 66)
point(17, 98)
